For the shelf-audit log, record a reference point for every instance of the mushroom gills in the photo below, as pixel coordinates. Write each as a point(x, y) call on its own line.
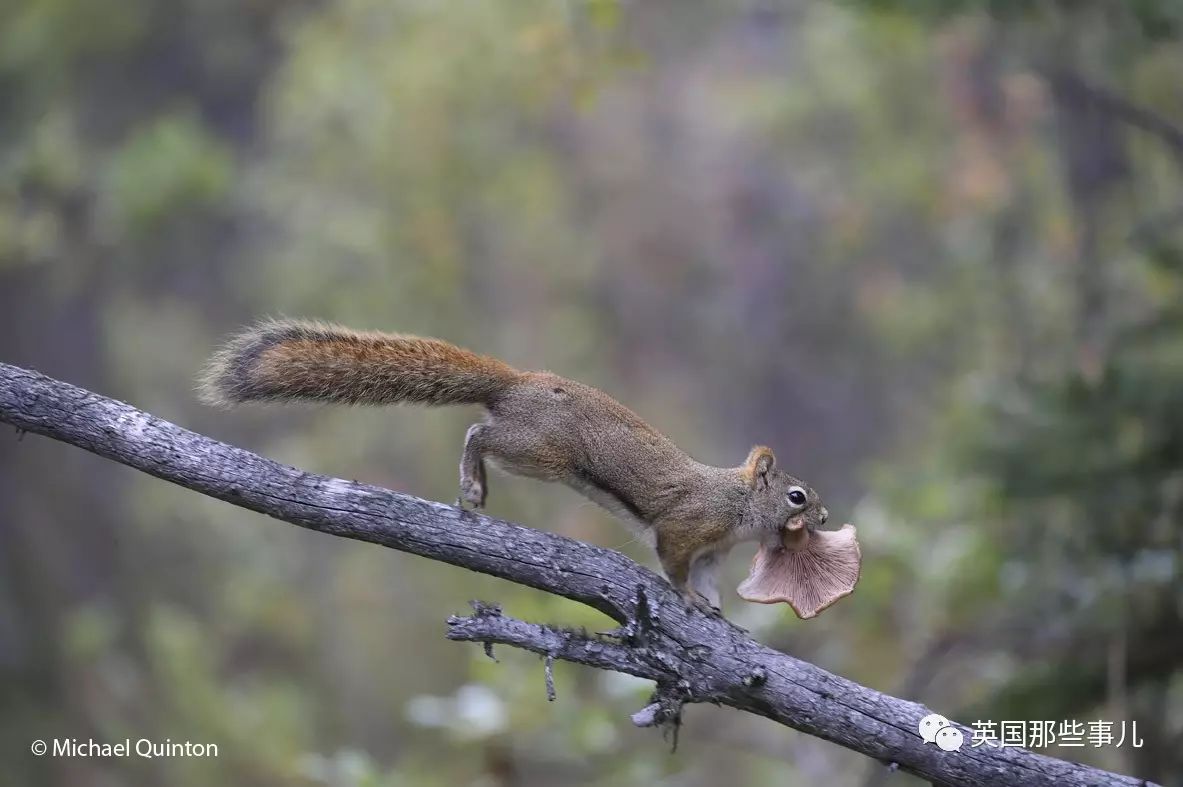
point(808, 570)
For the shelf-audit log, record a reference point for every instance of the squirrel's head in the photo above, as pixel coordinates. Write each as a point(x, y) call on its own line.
point(777, 501)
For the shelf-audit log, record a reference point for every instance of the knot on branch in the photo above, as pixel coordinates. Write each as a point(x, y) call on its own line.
point(665, 708)
point(757, 677)
point(481, 611)
point(640, 627)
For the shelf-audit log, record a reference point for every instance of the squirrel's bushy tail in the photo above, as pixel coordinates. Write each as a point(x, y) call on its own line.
point(287, 359)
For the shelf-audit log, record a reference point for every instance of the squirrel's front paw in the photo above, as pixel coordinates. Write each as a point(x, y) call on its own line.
point(473, 492)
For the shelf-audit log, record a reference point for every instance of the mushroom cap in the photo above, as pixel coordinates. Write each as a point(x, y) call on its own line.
point(809, 570)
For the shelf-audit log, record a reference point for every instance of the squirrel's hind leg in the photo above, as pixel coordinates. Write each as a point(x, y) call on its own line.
point(676, 562)
point(704, 571)
point(473, 484)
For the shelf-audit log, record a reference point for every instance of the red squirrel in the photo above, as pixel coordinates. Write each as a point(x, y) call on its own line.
point(538, 425)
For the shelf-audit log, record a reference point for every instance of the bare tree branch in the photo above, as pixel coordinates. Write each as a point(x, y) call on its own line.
point(1071, 85)
point(693, 658)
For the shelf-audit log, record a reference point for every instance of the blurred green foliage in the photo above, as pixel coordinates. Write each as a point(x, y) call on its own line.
point(174, 166)
point(929, 252)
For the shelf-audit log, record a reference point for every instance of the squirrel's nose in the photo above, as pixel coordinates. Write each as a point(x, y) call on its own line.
point(825, 514)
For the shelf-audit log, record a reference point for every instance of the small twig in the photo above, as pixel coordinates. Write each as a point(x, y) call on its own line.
point(550, 677)
point(488, 627)
point(484, 610)
point(672, 731)
point(1073, 85)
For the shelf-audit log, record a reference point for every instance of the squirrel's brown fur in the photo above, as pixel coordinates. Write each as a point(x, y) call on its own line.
point(287, 359)
point(539, 425)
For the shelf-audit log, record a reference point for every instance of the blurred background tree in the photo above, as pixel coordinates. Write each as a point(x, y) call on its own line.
point(932, 253)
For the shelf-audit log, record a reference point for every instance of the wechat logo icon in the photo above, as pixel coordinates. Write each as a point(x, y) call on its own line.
point(935, 728)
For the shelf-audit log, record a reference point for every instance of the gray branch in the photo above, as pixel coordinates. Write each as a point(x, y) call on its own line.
point(693, 658)
point(1072, 85)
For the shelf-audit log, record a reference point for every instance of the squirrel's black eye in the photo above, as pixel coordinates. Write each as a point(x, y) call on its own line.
point(797, 496)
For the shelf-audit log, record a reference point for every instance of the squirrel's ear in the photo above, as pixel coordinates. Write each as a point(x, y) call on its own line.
point(758, 465)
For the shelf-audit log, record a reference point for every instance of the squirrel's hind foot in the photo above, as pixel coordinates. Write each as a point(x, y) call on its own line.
point(697, 601)
point(472, 492)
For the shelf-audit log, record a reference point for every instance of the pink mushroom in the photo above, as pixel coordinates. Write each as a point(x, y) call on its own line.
point(807, 570)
